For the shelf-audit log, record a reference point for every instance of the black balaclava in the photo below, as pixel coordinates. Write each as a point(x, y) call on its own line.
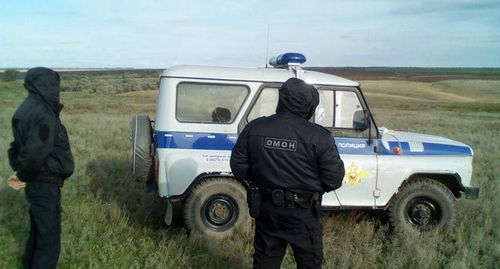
point(45, 83)
point(298, 98)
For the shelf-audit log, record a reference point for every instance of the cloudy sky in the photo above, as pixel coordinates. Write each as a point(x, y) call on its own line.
point(161, 33)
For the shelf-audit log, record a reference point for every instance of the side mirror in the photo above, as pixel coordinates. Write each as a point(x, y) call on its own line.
point(360, 120)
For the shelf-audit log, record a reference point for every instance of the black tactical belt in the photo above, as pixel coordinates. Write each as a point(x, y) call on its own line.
point(288, 199)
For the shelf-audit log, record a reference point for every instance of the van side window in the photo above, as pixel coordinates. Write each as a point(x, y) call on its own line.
point(265, 105)
point(339, 111)
point(324, 111)
point(209, 103)
point(347, 103)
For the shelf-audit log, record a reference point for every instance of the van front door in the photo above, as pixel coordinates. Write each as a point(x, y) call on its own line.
point(337, 112)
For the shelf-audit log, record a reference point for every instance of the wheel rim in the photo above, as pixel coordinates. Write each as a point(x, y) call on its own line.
point(423, 213)
point(220, 212)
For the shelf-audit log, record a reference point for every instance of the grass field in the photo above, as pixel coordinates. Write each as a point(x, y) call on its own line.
point(108, 222)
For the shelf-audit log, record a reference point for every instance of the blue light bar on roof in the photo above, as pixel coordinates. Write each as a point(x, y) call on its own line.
point(289, 58)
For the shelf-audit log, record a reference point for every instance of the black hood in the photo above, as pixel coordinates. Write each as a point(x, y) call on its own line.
point(298, 98)
point(44, 83)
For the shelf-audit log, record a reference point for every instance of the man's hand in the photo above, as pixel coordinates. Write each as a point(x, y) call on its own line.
point(15, 183)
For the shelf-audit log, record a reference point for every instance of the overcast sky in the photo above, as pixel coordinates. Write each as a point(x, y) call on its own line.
point(158, 34)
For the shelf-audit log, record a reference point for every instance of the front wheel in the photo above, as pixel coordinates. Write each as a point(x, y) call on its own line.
point(423, 205)
point(216, 208)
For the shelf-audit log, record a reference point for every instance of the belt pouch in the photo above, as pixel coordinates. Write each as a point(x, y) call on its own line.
point(278, 197)
point(316, 203)
point(254, 199)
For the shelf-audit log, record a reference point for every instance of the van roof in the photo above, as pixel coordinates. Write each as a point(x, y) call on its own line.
point(253, 74)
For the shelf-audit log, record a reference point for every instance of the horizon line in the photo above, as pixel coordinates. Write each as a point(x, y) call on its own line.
point(22, 69)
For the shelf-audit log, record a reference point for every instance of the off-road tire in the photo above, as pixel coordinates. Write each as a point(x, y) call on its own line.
point(216, 208)
point(141, 138)
point(423, 205)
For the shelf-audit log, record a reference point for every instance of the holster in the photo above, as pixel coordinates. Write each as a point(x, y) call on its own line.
point(316, 204)
point(254, 200)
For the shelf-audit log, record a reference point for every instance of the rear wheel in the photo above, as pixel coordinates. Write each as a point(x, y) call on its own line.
point(216, 208)
point(423, 205)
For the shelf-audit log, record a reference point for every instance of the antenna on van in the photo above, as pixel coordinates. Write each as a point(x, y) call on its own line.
point(267, 45)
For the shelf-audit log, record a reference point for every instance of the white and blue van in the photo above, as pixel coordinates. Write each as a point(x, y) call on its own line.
point(185, 152)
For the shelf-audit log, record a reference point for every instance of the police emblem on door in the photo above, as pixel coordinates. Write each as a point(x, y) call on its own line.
point(354, 174)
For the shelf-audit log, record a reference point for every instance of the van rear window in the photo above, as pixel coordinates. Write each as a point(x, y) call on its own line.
point(209, 103)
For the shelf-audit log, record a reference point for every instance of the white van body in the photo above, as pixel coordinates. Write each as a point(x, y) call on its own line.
point(378, 161)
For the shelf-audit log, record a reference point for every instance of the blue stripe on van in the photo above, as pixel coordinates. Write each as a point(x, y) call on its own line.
point(430, 149)
point(218, 141)
point(191, 140)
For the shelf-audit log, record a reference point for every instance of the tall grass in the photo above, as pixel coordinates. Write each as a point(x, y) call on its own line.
point(109, 222)
point(107, 83)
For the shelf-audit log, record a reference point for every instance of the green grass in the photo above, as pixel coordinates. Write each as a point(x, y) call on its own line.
point(105, 83)
point(108, 222)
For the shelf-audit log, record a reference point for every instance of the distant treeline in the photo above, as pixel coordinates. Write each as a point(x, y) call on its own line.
point(428, 74)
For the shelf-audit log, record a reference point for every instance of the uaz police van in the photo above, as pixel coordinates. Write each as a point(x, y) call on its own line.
point(185, 152)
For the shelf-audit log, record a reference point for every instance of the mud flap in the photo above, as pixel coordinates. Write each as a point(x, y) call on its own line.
point(168, 214)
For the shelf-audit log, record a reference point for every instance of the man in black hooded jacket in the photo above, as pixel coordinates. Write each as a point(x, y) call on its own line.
point(289, 162)
point(41, 156)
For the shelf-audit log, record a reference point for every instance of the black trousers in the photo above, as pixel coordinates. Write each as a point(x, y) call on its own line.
point(44, 241)
point(276, 227)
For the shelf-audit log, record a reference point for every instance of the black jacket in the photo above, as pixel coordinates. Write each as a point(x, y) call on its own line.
point(40, 150)
point(287, 151)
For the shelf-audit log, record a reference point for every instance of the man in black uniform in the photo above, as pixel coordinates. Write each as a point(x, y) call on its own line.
point(41, 156)
point(289, 162)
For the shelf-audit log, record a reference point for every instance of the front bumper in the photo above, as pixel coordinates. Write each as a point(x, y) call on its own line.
point(471, 193)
